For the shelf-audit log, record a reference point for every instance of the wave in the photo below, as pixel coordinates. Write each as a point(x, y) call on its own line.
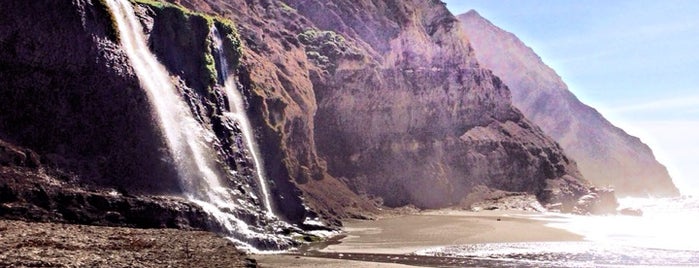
point(567, 254)
point(667, 223)
point(663, 236)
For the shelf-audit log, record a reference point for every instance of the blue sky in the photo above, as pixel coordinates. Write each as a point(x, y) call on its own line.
point(635, 61)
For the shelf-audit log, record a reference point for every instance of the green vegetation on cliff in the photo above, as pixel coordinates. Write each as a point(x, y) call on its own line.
point(186, 28)
point(181, 33)
point(157, 4)
point(232, 43)
point(113, 30)
point(286, 8)
point(325, 48)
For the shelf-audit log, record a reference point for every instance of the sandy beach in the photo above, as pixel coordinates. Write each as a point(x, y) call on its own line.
point(391, 239)
point(385, 242)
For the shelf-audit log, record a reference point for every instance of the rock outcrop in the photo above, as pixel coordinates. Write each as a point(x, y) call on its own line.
point(30, 191)
point(606, 155)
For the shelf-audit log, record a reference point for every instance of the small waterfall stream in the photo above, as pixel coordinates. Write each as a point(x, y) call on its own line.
point(189, 143)
point(237, 113)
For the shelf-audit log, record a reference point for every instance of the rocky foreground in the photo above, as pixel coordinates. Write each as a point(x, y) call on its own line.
point(24, 244)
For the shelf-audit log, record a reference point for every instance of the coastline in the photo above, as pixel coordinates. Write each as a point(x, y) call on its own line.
point(444, 238)
point(388, 241)
point(391, 239)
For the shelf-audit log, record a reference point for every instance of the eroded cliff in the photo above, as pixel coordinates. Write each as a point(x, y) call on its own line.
point(417, 121)
point(606, 154)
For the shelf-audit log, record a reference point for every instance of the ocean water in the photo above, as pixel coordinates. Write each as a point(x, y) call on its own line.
point(665, 236)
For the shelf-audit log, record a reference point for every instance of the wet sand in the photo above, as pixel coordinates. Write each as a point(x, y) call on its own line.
point(293, 261)
point(406, 234)
point(391, 239)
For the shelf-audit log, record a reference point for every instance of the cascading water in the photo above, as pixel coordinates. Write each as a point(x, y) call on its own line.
point(188, 141)
point(237, 113)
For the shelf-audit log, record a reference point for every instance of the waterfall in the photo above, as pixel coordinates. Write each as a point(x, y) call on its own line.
point(237, 113)
point(188, 141)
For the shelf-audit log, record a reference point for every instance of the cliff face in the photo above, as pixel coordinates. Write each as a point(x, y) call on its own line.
point(275, 74)
point(390, 96)
point(351, 102)
point(606, 155)
point(69, 94)
point(416, 120)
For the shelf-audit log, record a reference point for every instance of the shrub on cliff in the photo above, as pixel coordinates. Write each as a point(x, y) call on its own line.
point(325, 48)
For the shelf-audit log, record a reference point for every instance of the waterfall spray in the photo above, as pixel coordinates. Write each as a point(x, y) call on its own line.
point(194, 159)
point(237, 113)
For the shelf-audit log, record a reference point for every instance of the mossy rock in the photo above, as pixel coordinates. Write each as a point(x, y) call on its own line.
point(181, 38)
point(113, 29)
point(325, 48)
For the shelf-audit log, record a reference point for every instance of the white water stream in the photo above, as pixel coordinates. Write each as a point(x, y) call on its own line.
point(237, 113)
point(188, 141)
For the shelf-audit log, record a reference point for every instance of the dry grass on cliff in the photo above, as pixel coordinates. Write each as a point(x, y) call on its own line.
point(24, 244)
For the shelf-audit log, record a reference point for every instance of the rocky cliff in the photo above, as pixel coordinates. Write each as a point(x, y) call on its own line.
point(71, 95)
point(352, 103)
point(606, 155)
point(416, 120)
